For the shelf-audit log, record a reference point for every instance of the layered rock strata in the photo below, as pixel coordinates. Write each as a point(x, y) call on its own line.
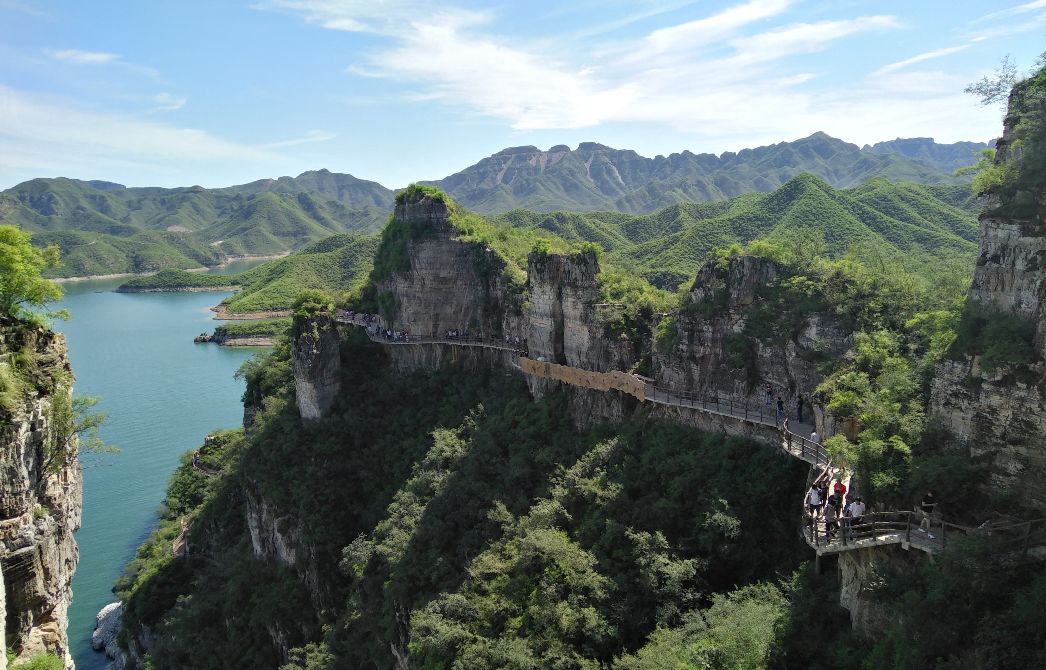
point(712, 353)
point(40, 496)
point(1001, 412)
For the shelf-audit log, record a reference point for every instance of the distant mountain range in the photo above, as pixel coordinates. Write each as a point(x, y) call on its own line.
point(595, 177)
point(105, 228)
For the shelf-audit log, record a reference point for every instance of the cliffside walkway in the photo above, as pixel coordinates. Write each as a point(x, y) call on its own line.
point(869, 530)
point(344, 317)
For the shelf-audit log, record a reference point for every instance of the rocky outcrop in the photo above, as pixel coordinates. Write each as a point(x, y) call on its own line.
point(859, 568)
point(1002, 412)
point(715, 351)
point(563, 324)
point(445, 284)
point(316, 358)
point(106, 626)
point(40, 494)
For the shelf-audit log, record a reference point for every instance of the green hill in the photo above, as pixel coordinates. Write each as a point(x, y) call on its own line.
point(666, 247)
point(106, 228)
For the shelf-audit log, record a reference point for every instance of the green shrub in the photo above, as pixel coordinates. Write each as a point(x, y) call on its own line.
point(999, 338)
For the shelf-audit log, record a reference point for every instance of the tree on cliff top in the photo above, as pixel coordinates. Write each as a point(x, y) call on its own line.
point(21, 265)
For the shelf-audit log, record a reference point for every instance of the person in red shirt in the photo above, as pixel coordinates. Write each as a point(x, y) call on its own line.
point(840, 492)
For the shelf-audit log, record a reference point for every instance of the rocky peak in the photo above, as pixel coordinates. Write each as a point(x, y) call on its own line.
point(427, 208)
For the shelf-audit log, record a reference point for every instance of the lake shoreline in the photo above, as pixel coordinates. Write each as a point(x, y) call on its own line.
point(228, 261)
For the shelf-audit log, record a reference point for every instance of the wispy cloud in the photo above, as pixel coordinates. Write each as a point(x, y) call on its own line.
point(698, 33)
point(311, 137)
point(938, 53)
point(713, 76)
point(165, 102)
point(83, 57)
point(51, 136)
point(1033, 6)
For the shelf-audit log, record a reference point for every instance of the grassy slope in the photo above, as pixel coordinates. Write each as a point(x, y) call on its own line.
point(336, 264)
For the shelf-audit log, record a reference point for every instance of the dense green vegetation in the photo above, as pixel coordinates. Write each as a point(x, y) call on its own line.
point(900, 222)
point(1016, 173)
point(22, 284)
point(453, 500)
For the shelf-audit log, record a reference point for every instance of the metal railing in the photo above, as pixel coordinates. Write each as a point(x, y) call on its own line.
point(911, 527)
point(491, 342)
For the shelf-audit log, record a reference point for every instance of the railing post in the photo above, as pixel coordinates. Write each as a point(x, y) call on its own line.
point(908, 527)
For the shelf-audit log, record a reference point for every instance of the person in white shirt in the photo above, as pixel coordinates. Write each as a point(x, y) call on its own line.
point(855, 509)
point(813, 500)
point(814, 437)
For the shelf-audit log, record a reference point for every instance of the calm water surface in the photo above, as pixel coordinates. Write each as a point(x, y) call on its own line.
point(163, 394)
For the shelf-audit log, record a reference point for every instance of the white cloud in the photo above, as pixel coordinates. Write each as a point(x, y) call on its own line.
point(723, 76)
point(311, 137)
point(691, 34)
point(165, 102)
point(39, 135)
point(1016, 10)
point(83, 57)
point(938, 53)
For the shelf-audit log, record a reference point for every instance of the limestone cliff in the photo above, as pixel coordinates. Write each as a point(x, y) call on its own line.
point(438, 282)
point(723, 343)
point(1000, 410)
point(563, 324)
point(317, 366)
point(40, 492)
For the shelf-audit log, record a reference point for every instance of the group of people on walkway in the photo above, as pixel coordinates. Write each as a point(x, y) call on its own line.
point(782, 414)
point(835, 508)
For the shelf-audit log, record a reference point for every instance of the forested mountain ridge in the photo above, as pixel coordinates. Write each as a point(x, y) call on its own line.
point(113, 229)
point(668, 246)
point(105, 228)
point(919, 227)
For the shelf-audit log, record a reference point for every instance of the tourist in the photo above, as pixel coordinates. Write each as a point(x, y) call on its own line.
point(799, 409)
point(928, 508)
point(780, 409)
point(831, 522)
point(814, 437)
point(840, 491)
point(855, 510)
point(813, 500)
point(822, 487)
point(785, 428)
point(769, 394)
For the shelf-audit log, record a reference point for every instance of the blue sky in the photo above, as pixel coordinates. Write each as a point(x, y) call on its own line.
point(228, 91)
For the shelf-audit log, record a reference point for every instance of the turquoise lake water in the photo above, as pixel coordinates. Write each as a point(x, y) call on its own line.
point(163, 394)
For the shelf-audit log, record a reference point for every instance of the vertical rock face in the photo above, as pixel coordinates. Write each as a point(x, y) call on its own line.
point(563, 327)
point(1002, 412)
point(40, 499)
point(861, 567)
point(316, 356)
point(448, 284)
point(713, 354)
